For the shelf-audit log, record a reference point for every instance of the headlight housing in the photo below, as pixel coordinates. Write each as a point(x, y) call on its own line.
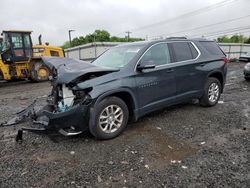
point(80, 94)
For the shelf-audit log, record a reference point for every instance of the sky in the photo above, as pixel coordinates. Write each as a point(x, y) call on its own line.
point(144, 18)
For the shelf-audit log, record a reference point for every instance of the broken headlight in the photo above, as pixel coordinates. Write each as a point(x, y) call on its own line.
point(79, 94)
point(67, 98)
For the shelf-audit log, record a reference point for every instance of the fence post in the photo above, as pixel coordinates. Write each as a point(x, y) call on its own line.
point(79, 51)
point(95, 50)
point(240, 49)
point(229, 54)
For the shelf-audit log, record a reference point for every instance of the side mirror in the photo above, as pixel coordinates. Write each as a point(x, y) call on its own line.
point(140, 67)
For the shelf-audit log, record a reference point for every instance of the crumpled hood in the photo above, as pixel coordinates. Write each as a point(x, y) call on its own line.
point(69, 70)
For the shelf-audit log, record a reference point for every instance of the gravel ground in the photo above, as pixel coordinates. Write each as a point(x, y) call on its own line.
point(182, 146)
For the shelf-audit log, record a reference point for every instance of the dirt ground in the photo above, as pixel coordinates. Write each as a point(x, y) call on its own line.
point(182, 146)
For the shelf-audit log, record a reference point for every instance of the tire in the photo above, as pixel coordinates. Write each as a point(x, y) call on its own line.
point(212, 92)
point(109, 119)
point(1, 75)
point(36, 70)
point(247, 78)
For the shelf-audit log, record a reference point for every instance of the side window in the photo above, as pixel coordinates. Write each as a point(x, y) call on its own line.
point(27, 42)
point(212, 48)
point(157, 55)
point(54, 53)
point(182, 51)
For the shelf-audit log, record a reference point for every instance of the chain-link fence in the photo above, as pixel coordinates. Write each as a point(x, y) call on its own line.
point(234, 50)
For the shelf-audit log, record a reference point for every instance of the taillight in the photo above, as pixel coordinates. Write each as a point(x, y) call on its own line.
point(226, 60)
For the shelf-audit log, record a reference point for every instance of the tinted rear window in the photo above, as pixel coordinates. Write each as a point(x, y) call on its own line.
point(182, 51)
point(212, 48)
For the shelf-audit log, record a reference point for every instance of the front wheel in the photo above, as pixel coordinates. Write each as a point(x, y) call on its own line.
point(39, 72)
point(212, 92)
point(111, 118)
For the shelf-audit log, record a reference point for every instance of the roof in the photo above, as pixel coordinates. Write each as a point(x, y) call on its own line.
point(170, 39)
point(17, 31)
point(47, 46)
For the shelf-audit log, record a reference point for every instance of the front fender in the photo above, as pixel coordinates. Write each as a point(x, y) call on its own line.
point(113, 92)
point(110, 93)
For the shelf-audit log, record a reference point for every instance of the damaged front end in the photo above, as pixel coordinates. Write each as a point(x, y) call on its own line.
point(68, 107)
point(67, 111)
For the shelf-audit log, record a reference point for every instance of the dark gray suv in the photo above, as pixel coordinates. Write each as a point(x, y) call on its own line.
point(129, 81)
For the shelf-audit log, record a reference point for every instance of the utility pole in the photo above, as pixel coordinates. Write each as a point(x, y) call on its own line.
point(128, 34)
point(70, 35)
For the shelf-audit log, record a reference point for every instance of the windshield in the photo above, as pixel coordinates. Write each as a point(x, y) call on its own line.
point(118, 57)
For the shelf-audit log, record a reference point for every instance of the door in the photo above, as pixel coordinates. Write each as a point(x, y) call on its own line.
point(189, 78)
point(21, 46)
point(18, 47)
point(156, 87)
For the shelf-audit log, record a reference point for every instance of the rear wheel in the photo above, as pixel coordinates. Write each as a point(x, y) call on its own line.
point(212, 92)
point(247, 78)
point(111, 118)
point(39, 72)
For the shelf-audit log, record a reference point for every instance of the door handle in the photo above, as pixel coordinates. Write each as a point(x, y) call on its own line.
point(202, 64)
point(170, 70)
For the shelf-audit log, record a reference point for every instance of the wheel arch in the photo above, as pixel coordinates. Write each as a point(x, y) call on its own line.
point(219, 76)
point(126, 95)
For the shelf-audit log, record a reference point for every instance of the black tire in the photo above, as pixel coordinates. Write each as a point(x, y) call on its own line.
point(95, 127)
point(247, 78)
point(1, 75)
point(35, 77)
point(204, 100)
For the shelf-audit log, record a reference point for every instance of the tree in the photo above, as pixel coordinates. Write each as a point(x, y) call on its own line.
point(66, 45)
point(224, 39)
point(97, 36)
point(75, 42)
point(101, 35)
point(233, 39)
point(248, 40)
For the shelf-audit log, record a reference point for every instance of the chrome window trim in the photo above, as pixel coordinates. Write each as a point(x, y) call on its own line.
point(173, 63)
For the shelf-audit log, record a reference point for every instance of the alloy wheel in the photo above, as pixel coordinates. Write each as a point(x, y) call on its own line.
point(213, 92)
point(111, 118)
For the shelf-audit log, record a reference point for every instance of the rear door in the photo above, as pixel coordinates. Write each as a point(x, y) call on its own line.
point(155, 87)
point(187, 69)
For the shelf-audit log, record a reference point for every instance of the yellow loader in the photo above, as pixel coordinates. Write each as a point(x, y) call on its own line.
point(20, 59)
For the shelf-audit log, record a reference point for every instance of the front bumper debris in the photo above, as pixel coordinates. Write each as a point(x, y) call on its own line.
point(71, 122)
point(21, 116)
point(76, 116)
